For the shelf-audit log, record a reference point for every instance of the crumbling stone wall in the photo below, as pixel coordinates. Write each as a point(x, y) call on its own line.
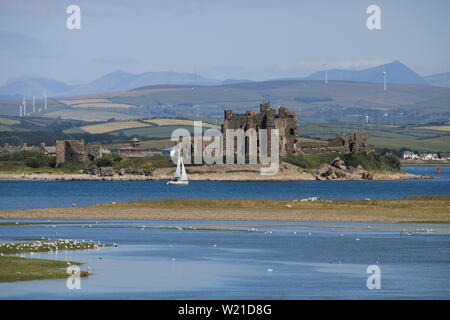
point(357, 142)
point(70, 150)
point(93, 151)
point(77, 151)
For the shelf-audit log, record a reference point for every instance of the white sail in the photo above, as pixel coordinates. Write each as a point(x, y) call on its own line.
point(184, 176)
point(180, 177)
point(178, 171)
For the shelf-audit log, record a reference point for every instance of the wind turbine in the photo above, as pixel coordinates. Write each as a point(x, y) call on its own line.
point(34, 106)
point(326, 73)
point(384, 79)
point(45, 99)
point(24, 103)
point(20, 110)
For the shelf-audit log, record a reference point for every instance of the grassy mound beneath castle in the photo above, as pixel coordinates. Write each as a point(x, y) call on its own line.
point(117, 162)
point(36, 162)
point(371, 161)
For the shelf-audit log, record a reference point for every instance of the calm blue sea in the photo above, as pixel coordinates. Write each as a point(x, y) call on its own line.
point(286, 260)
point(52, 194)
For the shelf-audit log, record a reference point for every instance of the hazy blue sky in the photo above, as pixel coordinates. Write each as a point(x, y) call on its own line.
point(246, 39)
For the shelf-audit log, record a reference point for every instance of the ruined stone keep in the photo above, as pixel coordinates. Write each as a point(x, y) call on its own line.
point(286, 122)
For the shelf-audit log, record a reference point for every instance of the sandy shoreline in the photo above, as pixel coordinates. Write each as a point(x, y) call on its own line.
point(245, 172)
point(435, 210)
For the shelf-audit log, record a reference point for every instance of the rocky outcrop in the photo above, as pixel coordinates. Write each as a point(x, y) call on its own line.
point(337, 170)
point(106, 172)
point(93, 170)
point(136, 171)
point(367, 176)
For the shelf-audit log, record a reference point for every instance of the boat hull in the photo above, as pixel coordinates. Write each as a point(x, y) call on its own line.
point(178, 183)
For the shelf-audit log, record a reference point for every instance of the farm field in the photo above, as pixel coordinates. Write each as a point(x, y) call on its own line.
point(5, 128)
point(415, 138)
point(157, 144)
point(7, 121)
point(439, 128)
point(70, 102)
point(154, 132)
point(91, 116)
point(173, 122)
point(411, 144)
point(108, 127)
point(103, 105)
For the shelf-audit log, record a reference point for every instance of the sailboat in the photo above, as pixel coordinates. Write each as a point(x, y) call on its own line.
point(180, 177)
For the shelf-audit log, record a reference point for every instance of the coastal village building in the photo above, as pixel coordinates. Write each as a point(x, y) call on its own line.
point(9, 148)
point(444, 156)
point(409, 155)
point(429, 156)
point(134, 150)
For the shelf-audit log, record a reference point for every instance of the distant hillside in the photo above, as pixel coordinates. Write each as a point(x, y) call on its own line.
point(123, 81)
point(313, 101)
point(34, 87)
point(440, 79)
point(111, 82)
point(396, 73)
point(10, 97)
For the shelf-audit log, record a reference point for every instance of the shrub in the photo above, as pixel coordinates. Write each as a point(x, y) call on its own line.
point(310, 161)
point(103, 162)
point(31, 159)
point(34, 162)
point(372, 161)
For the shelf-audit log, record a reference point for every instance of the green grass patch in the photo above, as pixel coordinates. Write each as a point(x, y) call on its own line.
point(369, 161)
point(24, 269)
point(310, 161)
point(14, 268)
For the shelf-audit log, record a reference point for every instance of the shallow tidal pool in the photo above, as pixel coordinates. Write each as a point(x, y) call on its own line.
point(265, 260)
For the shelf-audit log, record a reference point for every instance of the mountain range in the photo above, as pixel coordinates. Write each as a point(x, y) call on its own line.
point(396, 72)
point(116, 81)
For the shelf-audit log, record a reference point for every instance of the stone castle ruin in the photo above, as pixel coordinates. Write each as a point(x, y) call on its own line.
point(78, 151)
point(286, 122)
